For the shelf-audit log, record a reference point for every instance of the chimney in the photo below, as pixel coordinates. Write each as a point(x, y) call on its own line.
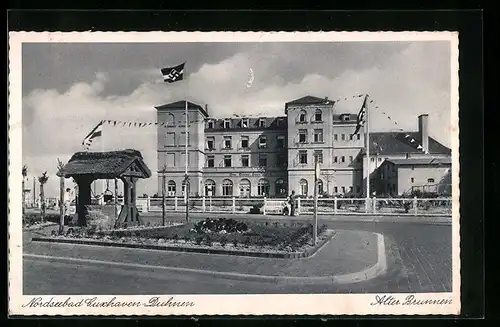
point(423, 130)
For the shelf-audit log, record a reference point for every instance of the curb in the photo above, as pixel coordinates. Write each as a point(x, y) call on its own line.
point(369, 273)
point(293, 255)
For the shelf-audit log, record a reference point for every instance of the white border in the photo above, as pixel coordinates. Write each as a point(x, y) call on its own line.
point(298, 304)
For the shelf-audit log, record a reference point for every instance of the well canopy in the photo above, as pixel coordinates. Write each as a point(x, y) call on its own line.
point(106, 165)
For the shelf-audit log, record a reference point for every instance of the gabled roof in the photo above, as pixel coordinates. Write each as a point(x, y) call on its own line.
point(396, 143)
point(308, 100)
point(181, 105)
point(109, 164)
point(421, 161)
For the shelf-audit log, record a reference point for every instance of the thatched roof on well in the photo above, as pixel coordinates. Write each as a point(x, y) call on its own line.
point(109, 164)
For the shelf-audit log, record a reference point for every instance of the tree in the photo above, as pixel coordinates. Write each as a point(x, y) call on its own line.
point(60, 166)
point(42, 180)
point(25, 174)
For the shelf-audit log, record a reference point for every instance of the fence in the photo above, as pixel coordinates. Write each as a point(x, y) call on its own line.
point(341, 206)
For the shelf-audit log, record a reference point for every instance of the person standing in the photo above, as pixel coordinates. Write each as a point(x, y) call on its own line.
point(291, 201)
point(68, 197)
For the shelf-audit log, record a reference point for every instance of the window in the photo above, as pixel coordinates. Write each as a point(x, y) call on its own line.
point(351, 137)
point(170, 139)
point(358, 189)
point(318, 135)
point(335, 159)
point(343, 189)
point(358, 136)
point(342, 159)
point(335, 189)
point(182, 140)
point(345, 117)
point(318, 155)
point(320, 186)
point(379, 159)
point(170, 160)
point(244, 122)
point(412, 167)
point(209, 187)
point(372, 159)
point(412, 179)
point(302, 117)
point(244, 161)
point(350, 158)
point(350, 189)
point(342, 137)
point(263, 187)
point(280, 141)
point(394, 187)
point(280, 160)
point(303, 157)
point(262, 142)
point(318, 116)
point(303, 187)
point(171, 188)
point(227, 187)
point(262, 122)
point(245, 188)
point(244, 142)
point(210, 161)
point(280, 187)
point(210, 143)
point(335, 137)
point(227, 142)
point(279, 122)
point(227, 123)
point(430, 180)
point(227, 161)
point(170, 120)
point(262, 160)
point(210, 124)
point(302, 135)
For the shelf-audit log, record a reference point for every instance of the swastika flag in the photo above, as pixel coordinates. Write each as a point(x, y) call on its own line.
point(173, 74)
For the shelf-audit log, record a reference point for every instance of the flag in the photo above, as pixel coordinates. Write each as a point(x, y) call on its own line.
point(96, 132)
point(360, 120)
point(173, 74)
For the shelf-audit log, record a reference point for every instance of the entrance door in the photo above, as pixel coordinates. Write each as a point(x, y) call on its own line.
point(245, 188)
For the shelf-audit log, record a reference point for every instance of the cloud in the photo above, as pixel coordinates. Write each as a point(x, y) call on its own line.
point(404, 82)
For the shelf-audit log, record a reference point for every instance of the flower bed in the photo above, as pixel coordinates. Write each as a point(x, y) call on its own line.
point(225, 236)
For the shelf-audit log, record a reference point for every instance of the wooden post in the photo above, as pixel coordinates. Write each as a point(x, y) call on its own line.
point(116, 198)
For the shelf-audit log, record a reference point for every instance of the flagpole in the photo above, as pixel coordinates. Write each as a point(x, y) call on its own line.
point(367, 142)
point(186, 178)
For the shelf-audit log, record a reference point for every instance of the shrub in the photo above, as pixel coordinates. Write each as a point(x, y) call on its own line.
point(175, 238)
point(223, 241)
point(199, 240)
point(235, 242)
point(209, 240)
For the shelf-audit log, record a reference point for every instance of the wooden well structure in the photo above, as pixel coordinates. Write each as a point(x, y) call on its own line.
point(125, 165)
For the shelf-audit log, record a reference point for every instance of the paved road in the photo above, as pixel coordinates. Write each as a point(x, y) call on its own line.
point(419, 261)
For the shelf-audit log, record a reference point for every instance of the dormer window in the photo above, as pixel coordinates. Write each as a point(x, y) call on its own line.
point(302, 117)
point(345, 117)
point(227, 123)
point(210, 124)
point(244, 123)
point(318, 116)
point(262, 122)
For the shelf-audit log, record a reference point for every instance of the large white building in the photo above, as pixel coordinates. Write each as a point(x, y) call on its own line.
point(271, 156)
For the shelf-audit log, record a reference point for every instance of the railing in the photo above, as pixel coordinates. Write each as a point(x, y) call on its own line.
point(326, 206)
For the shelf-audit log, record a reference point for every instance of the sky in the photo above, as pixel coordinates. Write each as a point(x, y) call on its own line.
point(68, 88)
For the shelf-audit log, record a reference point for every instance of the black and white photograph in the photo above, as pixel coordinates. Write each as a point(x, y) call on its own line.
point(233, 173)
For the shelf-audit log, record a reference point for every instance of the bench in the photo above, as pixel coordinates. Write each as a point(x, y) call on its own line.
point(280, 207)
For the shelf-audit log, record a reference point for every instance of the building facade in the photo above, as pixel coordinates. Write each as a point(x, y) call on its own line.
point(271, 156)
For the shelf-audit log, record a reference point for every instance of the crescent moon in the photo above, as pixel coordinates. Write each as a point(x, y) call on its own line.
point(250, 78)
